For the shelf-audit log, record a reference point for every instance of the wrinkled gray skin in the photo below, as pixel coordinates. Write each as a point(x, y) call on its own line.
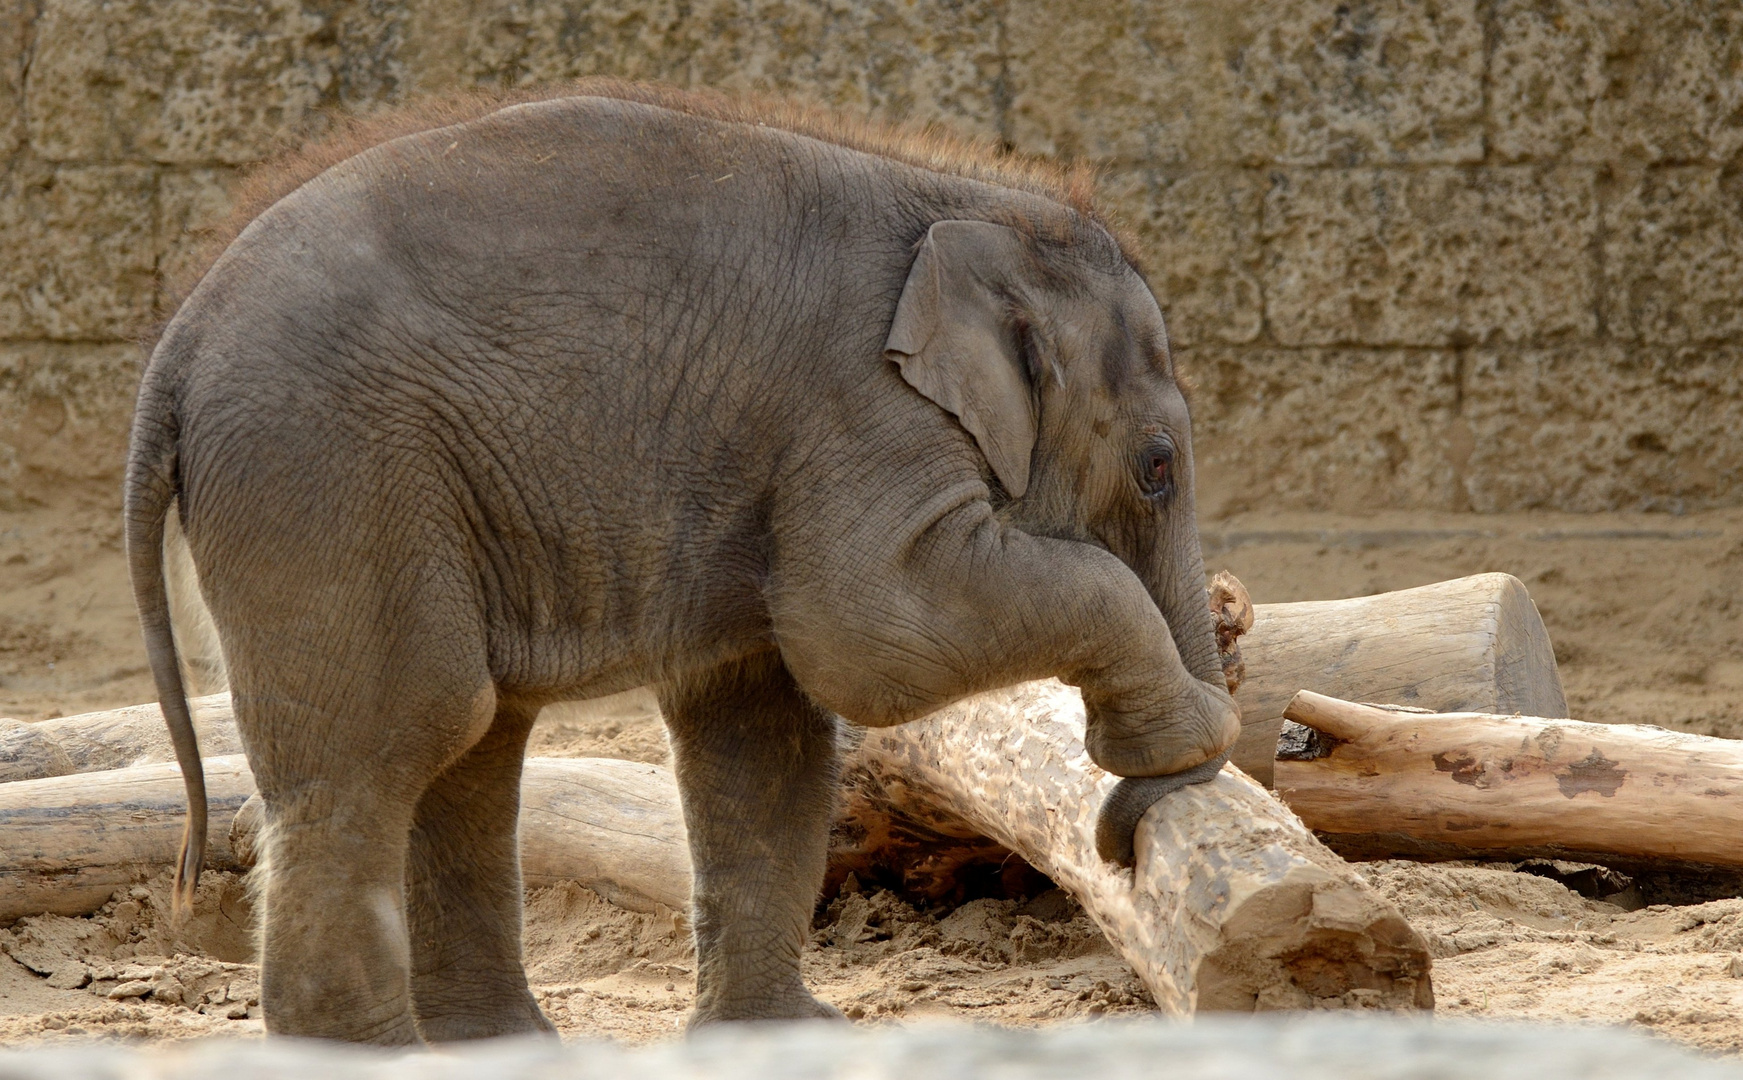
point(543, 407)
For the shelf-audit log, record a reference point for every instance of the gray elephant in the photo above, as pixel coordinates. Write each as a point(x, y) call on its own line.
point(788, 418)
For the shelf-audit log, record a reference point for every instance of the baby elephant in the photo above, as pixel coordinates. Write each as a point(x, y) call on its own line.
point(784, 417)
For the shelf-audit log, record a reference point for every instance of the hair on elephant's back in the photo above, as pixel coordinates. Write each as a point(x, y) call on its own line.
point(927, 147)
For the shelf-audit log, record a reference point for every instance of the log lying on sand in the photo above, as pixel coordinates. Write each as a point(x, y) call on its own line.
point(1232, 904)
point(1466, 785)
point(1473, 644)
point(68, 842)
point(112, 739)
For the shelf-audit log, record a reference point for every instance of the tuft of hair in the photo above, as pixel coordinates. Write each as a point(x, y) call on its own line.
point(926, 146)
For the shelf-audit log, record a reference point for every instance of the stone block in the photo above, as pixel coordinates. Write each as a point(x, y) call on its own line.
point(1247, 81)
point(502, 44)
point(1324, 429)
point(81, 251)
point(1673, 256)
point(1608, 428)
point(928, 60)
point(190, 205)
point(1198, 232)
point(1439, 256)
point(15, 26)
point(181, 81)
point(1647, 80)
point(64, 415)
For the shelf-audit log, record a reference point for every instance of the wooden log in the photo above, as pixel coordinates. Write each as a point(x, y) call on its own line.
point(1464, 785)
point(614, 826)
point(68, 842)
point(111, 739)
point(1473, 644)
point(1232, 904)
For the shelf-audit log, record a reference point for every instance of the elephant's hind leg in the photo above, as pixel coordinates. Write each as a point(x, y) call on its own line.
point(756, 768)
point(464, 886)
point(339, 801)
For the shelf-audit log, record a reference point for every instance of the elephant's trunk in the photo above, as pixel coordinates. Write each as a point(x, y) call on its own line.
point(1197, 720)
point(1176, 582)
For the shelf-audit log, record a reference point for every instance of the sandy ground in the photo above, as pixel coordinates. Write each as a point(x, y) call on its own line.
point(1646, 612)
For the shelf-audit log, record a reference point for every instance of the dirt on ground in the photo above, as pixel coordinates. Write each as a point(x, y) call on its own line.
point(1646, 612)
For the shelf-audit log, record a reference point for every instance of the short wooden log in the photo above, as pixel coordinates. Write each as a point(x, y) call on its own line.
point(1473, 644)
point(1465, 785)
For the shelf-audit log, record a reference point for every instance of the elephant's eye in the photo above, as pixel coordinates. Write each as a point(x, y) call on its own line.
point(1156, 471)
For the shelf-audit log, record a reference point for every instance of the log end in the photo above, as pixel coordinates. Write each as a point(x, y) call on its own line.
point(1311, 940)
point(29, 753)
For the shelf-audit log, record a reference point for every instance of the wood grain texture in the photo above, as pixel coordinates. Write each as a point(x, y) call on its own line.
point(614, 826)
point(68, 842)
point(1473, 644)
point(111, 739)
point(1458, 785)
point(1232, 904)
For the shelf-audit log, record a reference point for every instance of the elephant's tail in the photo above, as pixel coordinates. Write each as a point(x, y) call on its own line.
point(151, 489)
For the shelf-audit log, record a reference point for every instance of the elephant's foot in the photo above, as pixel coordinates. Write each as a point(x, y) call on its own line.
point(469, 1017)
point(336, 1017)
point(792, 1005)
point(1169, 739)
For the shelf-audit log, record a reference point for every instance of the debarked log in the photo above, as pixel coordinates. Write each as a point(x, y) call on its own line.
point(1384, 783)
point(1473, 644)
point(111, 739)
point(68, 842)
point(1232, 904)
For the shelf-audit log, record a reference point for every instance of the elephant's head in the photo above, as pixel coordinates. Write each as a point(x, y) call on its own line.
point(1055, 358)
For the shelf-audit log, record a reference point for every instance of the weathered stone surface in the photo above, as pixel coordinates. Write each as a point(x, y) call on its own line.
point(1617, 427)
point(1247, 81)
point(1650, 80)
point(1673, 256)
point(80, 252)
point(15, 27)
point(926, 60)
point(1441, 256)
point(1324, 428)
point(1199, 234)
point(64, 414)
point(1299, 176)
point(184, 81)
point(190, 204)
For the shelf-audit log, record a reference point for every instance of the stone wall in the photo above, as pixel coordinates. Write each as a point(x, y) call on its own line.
point(1446, 254)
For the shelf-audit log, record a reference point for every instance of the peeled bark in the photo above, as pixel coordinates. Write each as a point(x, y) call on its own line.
point(1466, 785)
point(1232, 904)
point(1473, 644)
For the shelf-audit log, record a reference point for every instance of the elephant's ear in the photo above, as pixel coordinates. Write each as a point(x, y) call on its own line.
point(955, 340)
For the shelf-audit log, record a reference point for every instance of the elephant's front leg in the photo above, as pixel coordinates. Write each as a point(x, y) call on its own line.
point(756, 768)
